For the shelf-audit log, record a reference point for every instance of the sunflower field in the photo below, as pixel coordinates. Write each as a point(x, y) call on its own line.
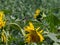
point(29, 22)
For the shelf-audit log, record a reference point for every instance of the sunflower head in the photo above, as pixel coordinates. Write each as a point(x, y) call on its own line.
point(37, 12)
point(33, 35)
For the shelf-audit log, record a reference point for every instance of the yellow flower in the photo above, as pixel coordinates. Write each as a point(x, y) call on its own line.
point(33, 35)
point(29, 28)
point(37, 12)
point(3, 37)
point(2, 23)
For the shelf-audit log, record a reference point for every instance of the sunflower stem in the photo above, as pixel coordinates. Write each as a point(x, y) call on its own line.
point(21, 31)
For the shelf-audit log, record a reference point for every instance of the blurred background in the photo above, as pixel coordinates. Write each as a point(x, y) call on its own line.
point(22, 11)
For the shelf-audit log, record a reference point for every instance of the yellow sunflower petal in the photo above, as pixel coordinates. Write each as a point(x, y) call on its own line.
point(28, 29)
point(41, 31)
point(31, 25)
point(28, 39)
point(41, 37)
point(37, 28)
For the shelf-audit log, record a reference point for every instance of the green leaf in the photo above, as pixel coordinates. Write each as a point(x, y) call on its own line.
point(53, 21)
point(53, 37)
point(55, 44)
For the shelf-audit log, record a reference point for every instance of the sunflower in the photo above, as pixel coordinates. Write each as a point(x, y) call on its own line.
point(37, 12)
point(33, 34)
point(2, 22)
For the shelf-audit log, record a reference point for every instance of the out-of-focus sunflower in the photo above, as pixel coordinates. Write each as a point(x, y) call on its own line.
point(2, 22)
point(39, 15)
point(37, 12)
point(33, 34)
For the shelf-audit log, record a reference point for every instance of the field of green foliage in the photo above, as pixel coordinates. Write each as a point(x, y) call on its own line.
point(29, 22)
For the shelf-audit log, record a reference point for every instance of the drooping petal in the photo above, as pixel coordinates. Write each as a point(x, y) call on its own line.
point(37, 28)
point(41, 31)
point(27, 29)
point(28, 39)
point(31, 25)
point(41, 37)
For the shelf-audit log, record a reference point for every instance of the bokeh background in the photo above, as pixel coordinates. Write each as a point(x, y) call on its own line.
point(22, 11)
